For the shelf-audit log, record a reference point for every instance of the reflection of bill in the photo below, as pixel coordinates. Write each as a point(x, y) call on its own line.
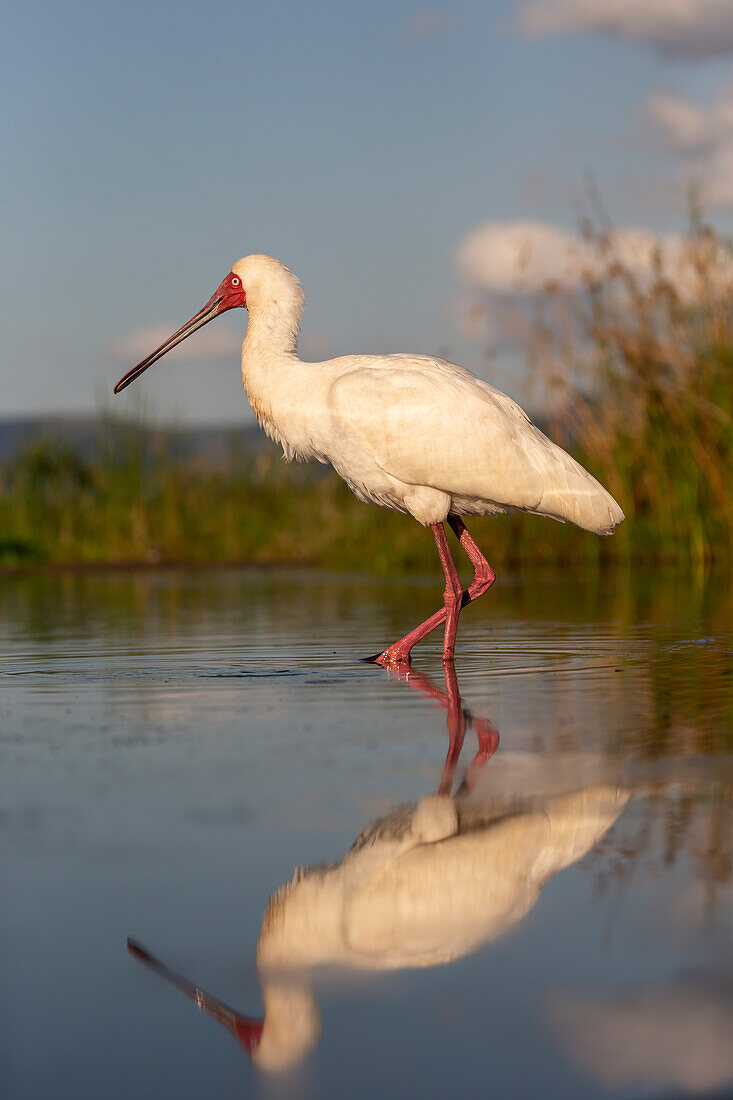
point(431, 882)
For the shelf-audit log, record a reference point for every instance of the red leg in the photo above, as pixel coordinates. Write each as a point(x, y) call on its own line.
point(483, 575)
point(453, 595)
point(399, 652)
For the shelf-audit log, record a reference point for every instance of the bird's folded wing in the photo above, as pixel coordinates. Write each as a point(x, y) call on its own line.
point(439, 901)
point(426, 422)
point(434, 902)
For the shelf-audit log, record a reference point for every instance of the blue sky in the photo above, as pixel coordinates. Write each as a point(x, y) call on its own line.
point(148, 146)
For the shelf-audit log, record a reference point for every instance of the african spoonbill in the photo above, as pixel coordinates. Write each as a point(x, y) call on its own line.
point(412, 433)
point(430, 883)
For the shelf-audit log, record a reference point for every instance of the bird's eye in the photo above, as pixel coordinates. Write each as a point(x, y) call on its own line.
point(235, 281)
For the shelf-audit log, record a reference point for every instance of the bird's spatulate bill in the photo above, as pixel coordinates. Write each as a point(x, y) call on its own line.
point(208, 313)
point(228, 295)
point(247, 1030)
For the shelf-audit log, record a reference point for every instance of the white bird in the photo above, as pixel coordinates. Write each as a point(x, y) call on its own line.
point(412, 433)
point(430, 883)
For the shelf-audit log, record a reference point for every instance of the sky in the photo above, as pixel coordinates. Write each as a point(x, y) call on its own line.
point(371, 147)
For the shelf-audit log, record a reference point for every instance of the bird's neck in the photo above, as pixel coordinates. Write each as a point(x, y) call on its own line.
point(273, 328)
point(269, 358)
point(275, 380)
point(292, 1022)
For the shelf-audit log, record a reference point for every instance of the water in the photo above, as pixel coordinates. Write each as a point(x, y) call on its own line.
point(173, 745)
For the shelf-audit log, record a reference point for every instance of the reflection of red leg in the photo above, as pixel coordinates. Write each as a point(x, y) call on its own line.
point(488, 743)
point(458, 720)
point(484, 577)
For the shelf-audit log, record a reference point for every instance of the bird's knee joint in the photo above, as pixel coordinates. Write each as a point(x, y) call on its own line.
point(484, 579)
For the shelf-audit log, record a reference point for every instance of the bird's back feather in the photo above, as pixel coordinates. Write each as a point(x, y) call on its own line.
point(428, 423)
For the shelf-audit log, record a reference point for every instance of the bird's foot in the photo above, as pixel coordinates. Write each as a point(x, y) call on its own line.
point(394, 657)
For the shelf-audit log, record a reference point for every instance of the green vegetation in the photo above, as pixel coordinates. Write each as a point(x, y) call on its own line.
point(135, 506)
point(639, 370)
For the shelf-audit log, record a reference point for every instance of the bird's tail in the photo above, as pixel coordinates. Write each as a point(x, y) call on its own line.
point(574, 495)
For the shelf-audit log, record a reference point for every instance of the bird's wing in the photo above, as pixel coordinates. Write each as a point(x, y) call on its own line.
point(434, 902)
point(429, 422)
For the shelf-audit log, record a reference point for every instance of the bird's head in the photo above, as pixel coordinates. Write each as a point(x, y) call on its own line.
point(251, 281)
point(290, 1027)
point(268, 282)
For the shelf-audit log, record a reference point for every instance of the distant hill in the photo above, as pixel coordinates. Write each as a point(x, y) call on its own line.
point(84, 435)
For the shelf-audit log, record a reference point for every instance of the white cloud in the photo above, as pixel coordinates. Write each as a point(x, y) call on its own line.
point(505, 266)
point(689, 29)
point(211, 342)
point(703, 138)
point(502, 258)
point(658, 1037)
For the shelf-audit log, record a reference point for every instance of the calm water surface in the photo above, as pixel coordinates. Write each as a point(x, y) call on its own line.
point(174, 745)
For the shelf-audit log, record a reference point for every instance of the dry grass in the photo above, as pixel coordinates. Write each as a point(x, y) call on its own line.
point(640, 372)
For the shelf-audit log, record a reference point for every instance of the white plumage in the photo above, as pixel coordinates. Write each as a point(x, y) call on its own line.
point(409, 432)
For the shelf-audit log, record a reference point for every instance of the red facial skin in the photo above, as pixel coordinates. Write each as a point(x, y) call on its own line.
point(248, 1033)
point(229, 294)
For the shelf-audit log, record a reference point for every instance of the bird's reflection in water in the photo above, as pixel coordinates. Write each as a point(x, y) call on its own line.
point(430, 882)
